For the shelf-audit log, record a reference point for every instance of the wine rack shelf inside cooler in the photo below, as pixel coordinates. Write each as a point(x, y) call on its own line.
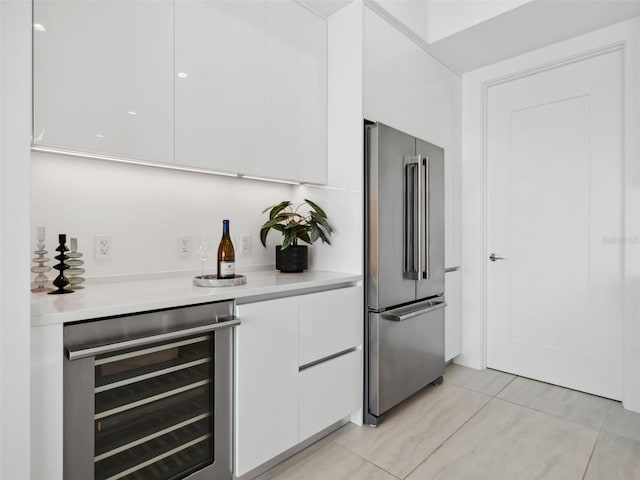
point(154, 411)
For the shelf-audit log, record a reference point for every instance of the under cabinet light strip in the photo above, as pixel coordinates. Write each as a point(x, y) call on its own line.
point(159, 457)
point(253, 177)
point(184, 168)
point(147, 376)
point(145, 351)
point(113, 158)
point(142, 440)
point(152, 399)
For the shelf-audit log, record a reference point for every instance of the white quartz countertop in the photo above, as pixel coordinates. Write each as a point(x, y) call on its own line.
point(104, 299)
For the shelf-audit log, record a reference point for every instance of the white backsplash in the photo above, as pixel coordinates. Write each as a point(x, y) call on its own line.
point(344, 211)
point(145, 209)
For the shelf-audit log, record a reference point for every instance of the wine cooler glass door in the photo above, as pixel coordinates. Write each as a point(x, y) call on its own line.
point(154, 411)
point(160, 410)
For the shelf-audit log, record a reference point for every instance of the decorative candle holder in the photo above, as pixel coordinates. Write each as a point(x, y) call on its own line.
point(41, 279)
point(61, 281)
point(75, 271)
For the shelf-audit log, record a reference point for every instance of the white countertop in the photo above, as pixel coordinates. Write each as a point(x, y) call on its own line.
point(122, 297)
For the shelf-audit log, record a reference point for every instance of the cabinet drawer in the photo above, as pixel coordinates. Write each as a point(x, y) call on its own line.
point(330, 322)
point(329, 391)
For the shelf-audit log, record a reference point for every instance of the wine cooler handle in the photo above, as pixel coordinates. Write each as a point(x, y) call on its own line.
point(73, 353)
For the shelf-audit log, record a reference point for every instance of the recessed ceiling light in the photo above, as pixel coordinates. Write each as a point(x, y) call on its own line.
point(132, 113)
point(39, 27)
point(182, 75)
point(99, 135)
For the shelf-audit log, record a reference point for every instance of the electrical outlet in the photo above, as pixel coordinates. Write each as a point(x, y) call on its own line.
point(185, 246)
point(103, 247)
point(245, 242)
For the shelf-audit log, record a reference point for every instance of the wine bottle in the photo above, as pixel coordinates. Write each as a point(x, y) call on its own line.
point(226, 254)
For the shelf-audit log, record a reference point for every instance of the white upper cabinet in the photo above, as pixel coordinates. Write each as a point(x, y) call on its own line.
point(103, 77)
point(219, 103)
point(238, 86)
point(296, 93)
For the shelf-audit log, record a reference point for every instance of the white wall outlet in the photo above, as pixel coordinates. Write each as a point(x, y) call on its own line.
point(185, 246)
point(245, 243)
point(103, 247)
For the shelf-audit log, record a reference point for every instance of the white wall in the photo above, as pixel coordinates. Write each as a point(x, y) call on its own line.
point(145, 209)
point(474, 253)
point(15, 130)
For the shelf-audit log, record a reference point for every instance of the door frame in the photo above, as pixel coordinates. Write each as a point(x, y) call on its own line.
point(624, 36)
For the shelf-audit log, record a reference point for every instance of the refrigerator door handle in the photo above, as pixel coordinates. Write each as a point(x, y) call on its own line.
point(420, 194)
point(425, 222)
point(401, 317)
point(413, 184)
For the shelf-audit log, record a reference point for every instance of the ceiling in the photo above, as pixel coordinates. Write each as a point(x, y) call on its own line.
point(477, 33)
point(531, 26)
point(324, 8)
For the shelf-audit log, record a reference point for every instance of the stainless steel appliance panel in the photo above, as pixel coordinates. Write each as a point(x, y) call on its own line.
point(406, 350)
point(388, 152)
point(432, 241)
point(150, 395)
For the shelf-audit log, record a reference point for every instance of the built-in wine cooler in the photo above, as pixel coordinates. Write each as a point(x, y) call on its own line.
point(148, 396)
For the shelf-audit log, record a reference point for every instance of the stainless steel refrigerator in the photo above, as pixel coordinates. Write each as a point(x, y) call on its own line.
point(404, 248)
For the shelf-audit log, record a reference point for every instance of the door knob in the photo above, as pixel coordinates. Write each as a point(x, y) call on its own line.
point(493, 257)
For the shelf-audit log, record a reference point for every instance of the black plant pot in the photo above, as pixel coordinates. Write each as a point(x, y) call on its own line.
point(292, 259)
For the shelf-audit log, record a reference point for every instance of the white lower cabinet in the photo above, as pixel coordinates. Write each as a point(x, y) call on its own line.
point(289, 387)
point(46, 402)
point(329, 391)
point(266, 382)
point(452, 320)
point(327, 323)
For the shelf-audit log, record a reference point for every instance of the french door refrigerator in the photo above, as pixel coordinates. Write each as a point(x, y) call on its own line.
point(404, 277)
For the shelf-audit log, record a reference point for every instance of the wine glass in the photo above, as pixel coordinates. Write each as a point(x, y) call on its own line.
point(203, 251)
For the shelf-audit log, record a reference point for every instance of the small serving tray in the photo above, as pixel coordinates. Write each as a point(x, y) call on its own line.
point(214, 281)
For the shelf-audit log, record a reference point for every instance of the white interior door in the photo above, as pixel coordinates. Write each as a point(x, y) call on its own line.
point(555, 213)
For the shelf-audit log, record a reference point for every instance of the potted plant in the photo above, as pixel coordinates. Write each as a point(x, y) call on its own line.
point(295, 226)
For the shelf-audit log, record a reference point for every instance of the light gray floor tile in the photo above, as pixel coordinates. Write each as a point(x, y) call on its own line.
point(413, 430)
point(578, 407)
point(504, 441)
point(614, 458)
point(331, 462)
point(487, 381)
point(622, 422)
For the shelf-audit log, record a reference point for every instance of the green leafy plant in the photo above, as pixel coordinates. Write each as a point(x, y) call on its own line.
point(294, 225)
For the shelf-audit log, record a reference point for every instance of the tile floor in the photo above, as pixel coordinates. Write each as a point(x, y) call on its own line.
point(481, 425)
